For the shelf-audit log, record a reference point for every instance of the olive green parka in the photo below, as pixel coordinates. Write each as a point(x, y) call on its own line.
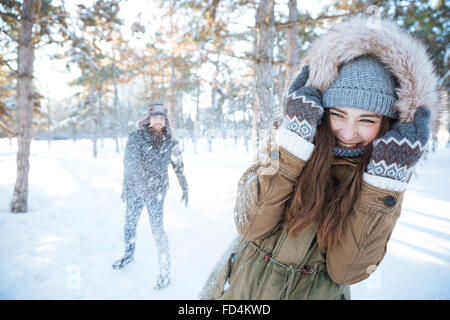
point(263, 262)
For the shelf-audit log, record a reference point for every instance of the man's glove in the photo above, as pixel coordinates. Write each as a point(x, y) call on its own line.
point(396, 153)
point(184, 198)
point(303, 107)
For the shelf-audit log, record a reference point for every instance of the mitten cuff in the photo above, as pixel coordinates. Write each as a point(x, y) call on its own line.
point(384, 183)
point(295, 144)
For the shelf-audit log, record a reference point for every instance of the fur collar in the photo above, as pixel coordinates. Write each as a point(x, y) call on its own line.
point(403, 55)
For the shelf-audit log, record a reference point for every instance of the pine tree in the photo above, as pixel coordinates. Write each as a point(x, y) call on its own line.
point(18, 21)
point(96, 30)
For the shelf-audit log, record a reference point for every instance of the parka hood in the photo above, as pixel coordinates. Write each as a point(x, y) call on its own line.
point(402, 54)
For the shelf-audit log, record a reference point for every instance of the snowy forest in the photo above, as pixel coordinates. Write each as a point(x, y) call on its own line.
point(77, 76)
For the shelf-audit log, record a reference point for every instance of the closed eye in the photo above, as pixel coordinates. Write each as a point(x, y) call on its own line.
point(336, 114)
point(367, 121)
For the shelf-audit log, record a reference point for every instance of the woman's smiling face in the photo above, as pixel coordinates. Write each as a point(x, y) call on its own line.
point(354, 127)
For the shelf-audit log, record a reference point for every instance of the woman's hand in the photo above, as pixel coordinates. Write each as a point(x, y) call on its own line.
point(395, 153)
point(303, 107)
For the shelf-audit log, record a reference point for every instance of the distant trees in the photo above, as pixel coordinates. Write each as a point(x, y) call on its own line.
point(95, 42)
point(232, 59)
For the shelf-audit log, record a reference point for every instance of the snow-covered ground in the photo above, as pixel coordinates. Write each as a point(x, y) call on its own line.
point(63, 248)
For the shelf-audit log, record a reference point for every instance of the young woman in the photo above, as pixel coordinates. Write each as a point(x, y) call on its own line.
point(357, 120)
point(148, 153)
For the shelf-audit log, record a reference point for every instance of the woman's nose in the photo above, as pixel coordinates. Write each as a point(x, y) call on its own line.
point(348, 132)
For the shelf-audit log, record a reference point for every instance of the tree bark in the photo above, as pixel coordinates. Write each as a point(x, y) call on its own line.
point(100, 124)
point(292, 47)
point(196, 134)
point(93, 118)
point(49, 119)
point(25, 60)
point(116, 123)
point(173, 110)
point(172, 104)
point(263, 114)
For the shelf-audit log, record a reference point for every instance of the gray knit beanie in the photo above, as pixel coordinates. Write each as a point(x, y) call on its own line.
point(156, 109)
point(363, 83)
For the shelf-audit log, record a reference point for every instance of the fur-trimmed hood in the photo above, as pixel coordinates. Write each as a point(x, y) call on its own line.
point(403, 55)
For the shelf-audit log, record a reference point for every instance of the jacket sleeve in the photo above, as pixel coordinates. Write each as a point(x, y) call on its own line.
point(265, 188)
point(133, 173)
point(178, 166)
point(366, 233)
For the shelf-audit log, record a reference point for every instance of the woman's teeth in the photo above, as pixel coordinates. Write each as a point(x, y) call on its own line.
point(347, 145)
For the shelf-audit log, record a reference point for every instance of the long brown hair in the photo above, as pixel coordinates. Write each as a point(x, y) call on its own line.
point(318, 197)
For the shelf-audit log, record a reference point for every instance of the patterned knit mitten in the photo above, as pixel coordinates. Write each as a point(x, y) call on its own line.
point(303, 107)
point(396, 153)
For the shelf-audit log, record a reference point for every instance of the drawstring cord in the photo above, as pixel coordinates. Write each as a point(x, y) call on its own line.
point(289, 275)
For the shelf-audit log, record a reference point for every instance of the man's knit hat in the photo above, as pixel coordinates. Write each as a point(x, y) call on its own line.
point(363, 83)
point(157, 109)
point(153, 110)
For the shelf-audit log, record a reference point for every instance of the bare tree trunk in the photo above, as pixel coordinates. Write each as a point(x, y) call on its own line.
point(252, 120)
point(74, 133)
point(100, 125)
point(181, 125)
point(163, 83)
point(25, 62)
point(122, 121)
point(172, 104)
point(235, 127)
point(292, 47)
point(246, 134)
point(279, 90)
point(196, 134)
point(49, 119)
point(116, 123)
point(128, 119)
point(211, 131)
point(263, 114)
point(93, 118)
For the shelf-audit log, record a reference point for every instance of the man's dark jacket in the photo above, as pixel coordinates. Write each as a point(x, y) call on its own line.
point(146, 166)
